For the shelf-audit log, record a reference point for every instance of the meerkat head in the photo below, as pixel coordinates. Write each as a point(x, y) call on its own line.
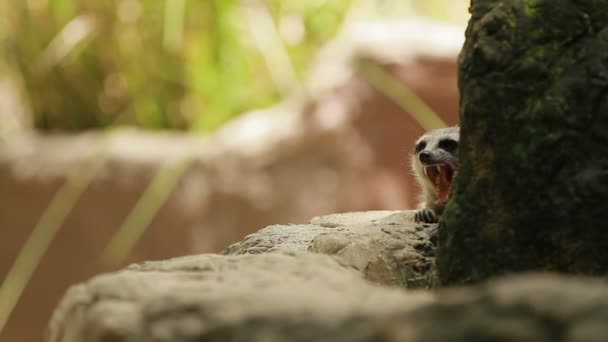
point(435, 162)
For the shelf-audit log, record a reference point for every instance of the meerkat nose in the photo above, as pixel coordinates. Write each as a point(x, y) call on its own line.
point(425, 157)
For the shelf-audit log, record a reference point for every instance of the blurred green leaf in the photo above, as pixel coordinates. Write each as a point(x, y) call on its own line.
point(173, 64)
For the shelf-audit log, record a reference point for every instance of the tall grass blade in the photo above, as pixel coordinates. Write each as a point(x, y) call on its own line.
point(42, 236)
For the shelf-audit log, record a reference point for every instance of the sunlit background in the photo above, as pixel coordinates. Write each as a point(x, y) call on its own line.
point(75, 73)
point(174, 64)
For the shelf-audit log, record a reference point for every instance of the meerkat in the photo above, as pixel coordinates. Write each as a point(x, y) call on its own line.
point(435, 163)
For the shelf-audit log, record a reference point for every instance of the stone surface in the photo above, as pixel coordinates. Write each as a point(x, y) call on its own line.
point(313, 297)
point(211, 297)
point(532, 175)
point(386, 246)
point(349, 219)
point(535, 307)
point(295, 237)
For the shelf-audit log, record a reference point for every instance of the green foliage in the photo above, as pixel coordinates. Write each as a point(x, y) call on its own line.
point(173, 64)
point(155, 64)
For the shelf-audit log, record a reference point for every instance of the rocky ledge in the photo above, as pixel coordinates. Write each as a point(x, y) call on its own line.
point(343, 277)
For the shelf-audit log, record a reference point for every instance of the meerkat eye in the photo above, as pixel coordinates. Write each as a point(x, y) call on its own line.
point(420, 146)
point(449, 145)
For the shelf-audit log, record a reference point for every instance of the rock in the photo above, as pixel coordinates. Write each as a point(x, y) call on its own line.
point(313, 297)
point(216, 298)
point(521, 72)
point(532, 307)
point(287, 238)
point(386, 246)
point(349, 219)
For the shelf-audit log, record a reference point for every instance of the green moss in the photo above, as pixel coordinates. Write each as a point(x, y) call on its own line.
point(530, 8)
point(520, 202)
point(519, 151)
point(603, 34)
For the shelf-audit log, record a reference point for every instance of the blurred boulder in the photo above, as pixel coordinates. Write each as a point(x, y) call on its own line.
point(265, 297)
point(281, 292)
point(337, 145)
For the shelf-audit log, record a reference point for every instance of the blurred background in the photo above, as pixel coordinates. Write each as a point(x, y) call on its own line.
point(135, 130)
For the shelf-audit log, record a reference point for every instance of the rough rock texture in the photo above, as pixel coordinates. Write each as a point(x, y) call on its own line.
point(533, 307)
point(308, 296)
point(532, 181)
point(337, 146)
point(312, 297)
point(386, 246)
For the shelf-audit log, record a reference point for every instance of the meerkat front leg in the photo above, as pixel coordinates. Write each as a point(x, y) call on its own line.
point(426, 216)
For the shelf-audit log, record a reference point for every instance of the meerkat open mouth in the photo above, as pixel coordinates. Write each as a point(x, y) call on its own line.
point(442, 175)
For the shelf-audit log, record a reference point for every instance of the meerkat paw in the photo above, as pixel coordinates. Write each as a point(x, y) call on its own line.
point(434, 235)
point(425, 216)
